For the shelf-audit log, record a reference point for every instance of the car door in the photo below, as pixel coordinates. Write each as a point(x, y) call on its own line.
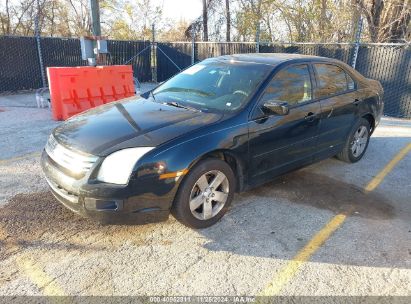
point(336, 91)
point(279, 143)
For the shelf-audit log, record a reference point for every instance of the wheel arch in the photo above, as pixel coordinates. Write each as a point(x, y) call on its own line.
point(233, 160)
point(370, 118)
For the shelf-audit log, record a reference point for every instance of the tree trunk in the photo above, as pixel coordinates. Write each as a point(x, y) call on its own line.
point(205, 21)
point(356, 15)
point(228, 17)
point(323, 17)
point(8, 21)
point(257, 12)
point(373, 15)
point(269, 28)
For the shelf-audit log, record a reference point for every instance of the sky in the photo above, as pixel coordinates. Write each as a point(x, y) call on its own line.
point(181, 9)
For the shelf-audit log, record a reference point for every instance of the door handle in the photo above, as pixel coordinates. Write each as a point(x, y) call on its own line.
point(310, 116)
point(356, 102)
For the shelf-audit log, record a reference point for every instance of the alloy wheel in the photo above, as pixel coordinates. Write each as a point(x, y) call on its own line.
point(209, 195)
point(359, 141)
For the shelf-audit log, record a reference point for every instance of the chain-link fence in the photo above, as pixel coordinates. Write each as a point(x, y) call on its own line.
point(388, 63)
point(19, 62)
point(20, 65)
point(171, 58)
point(136, 53)
point(391, 65)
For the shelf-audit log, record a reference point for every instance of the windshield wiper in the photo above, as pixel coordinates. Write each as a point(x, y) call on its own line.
point(178, 105)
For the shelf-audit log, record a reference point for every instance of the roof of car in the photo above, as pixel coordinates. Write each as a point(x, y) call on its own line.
point(272, 58)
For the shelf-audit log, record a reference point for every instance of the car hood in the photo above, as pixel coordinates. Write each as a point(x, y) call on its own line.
point(133, 122)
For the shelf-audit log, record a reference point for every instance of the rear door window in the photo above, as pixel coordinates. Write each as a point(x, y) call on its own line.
point(332, 80)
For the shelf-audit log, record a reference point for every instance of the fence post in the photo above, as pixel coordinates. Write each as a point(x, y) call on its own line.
point(153, 55)
point(193, 43)
point(357, 42)
point(38, 42)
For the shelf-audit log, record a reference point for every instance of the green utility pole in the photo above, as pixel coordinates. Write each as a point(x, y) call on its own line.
point(95, 17)
point(357, 42)
point(38, 42)
point(153, 54)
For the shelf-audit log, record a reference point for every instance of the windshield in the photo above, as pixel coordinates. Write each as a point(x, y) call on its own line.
point(213, 86)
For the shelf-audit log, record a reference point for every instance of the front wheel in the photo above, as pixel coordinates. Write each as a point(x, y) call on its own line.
point(205, 194)
point(357, 142)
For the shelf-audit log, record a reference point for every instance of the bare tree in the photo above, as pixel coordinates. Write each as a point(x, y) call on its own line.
point(395, 23)
point(388, 20)
point(18, 17)
point(81, 17)
point(252, 14)
point(210, 10)
point(5, 19)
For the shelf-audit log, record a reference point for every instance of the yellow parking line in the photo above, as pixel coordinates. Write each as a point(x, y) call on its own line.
point(9, 246)
point(380, 176)
point(36, 275)
point(291, 269)
point(3, 233)
point(293, 266)
point(13, 159)
point(40, 278)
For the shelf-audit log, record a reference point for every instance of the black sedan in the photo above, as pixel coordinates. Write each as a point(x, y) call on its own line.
point(219, 127)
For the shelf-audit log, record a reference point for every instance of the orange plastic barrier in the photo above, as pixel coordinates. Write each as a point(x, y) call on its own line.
point(76, 89)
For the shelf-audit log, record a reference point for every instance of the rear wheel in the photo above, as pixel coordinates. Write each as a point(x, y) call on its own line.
point(205, 194)
point(357, 142)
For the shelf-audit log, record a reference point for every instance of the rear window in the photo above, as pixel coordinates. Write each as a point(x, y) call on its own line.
point(350, 82)
point(332, 80)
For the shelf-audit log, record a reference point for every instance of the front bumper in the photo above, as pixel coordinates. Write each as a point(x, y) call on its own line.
point(141, 201)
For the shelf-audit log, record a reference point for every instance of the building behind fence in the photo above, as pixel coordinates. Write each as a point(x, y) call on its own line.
point(20, 65)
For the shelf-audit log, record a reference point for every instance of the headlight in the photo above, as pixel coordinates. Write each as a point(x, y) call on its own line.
point(116, 168)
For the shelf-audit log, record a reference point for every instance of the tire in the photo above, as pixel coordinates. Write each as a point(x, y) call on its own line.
point(356, 140)
point(194, 192)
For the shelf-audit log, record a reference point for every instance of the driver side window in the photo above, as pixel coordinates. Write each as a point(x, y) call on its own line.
point(292, 85)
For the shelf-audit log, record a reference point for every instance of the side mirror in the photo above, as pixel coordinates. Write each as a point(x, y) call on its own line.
point(276, 107)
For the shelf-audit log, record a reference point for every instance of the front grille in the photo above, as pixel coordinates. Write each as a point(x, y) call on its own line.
point(75, 162)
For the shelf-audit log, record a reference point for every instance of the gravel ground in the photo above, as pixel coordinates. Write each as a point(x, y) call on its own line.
point(47, 250)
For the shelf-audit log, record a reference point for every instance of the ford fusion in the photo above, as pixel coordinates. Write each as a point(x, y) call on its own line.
point(221, 126)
